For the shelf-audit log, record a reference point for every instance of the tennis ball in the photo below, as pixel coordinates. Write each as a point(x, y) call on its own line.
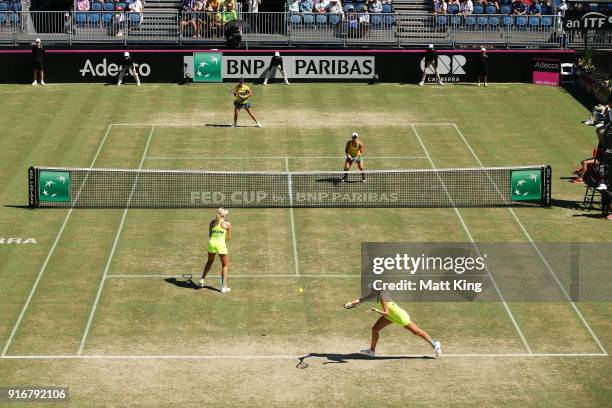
point(300, 290)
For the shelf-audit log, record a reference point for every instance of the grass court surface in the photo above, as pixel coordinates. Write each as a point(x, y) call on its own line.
point(92, 305)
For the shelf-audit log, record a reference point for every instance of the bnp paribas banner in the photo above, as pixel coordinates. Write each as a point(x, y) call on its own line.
point(526, 185)
point(215, 67)
point(54, 186)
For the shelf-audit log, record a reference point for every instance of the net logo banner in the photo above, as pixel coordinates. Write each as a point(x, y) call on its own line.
point(526, 185)
point(215, 67)
point(54, 186)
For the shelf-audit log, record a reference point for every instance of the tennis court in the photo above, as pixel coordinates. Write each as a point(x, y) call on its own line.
point(108, 283)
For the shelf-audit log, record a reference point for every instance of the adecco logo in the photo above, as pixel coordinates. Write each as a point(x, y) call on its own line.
point(450, 66)
point(547, 65)
point(104, 69)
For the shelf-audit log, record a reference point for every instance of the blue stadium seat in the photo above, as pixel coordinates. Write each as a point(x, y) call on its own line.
point(109, 6)
point(2, 18)
point(296, 19)
point(15, 18)
point(309, 19)
point(94, 18)
point(387, 8)
point(546, 22)
point(389, 20)
point(4, 6)
point(348, 6)
point(107, 18)
point(376, 20)
point(453, 9)
point(334, 19)
point(16, 6)
point(494, 21)
point(442, 21)
point(96, 7)
point(482, 21)
point(490, 10)
point(521, 22)
point(508, 21)
point(321, 19)
point(505, 10)
point(134, 19)
point(470, 21)
point(455, 21)
point(534, 22)
point(80, 18)
point(505, 2)
point(478, 9)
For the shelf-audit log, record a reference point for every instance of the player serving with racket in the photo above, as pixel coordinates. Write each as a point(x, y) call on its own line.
point(354, 154)
point(390, 312)
point(242, 93)
point(220, 232)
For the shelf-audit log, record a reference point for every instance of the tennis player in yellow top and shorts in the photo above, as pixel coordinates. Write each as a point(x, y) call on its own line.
point(220, 232)
point(391, 312)
point(354, 154)
point(242, 93)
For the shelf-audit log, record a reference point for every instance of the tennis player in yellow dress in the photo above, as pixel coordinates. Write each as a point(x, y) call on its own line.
point(391, 312)
point(220, 232)
point(354, 154)
point(242, 93)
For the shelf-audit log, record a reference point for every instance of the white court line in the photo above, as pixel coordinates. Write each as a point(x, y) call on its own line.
point(286, 275)
point(471, 238)
point(305, 356)
point(537, 249)
point(112, 252)
point(296, 261)
point(276, 157)
point(52, 250)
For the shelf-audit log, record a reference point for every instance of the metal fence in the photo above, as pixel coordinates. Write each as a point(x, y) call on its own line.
point(390, 29)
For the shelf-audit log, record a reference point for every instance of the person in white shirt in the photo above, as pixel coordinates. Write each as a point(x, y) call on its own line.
point(466, 8)
point(334, 7)
point(440, 7)
point(375, 6)
point(294, 7)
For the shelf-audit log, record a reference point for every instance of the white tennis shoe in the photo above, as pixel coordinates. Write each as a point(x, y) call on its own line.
point(438, 348)
point(225, 289)
point(202, 282)
point(368, 352)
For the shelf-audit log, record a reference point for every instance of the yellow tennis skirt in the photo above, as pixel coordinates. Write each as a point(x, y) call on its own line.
point(217, 247)
point(398, 315)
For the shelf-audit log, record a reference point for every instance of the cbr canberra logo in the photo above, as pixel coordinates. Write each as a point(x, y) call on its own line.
point(449, 68)
point(104, 69)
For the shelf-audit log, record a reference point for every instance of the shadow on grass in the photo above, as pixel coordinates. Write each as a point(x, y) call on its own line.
point(189, 284)
point(22, 207)
point(569, 204)
point(338, 358)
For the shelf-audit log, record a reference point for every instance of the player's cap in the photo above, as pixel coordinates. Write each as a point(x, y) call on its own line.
point(277, 54)
point(355, 135)
point(430, 46)
point(602, 187)
point(483, 49)
point(37, 40)
point(241, 80)
point(126, 54)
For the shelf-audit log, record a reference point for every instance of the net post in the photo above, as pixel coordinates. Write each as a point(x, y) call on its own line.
point(546, 186)
point(32, 187)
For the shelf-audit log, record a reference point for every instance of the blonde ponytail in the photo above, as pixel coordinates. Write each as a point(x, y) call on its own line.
point(221, 214)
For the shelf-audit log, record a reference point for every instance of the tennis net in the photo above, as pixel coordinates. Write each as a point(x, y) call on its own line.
point(122, 188)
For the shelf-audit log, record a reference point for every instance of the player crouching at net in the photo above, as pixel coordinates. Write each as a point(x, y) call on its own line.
point(354, 153)
point(242, 93)
point(391, 312)
point(220, 231)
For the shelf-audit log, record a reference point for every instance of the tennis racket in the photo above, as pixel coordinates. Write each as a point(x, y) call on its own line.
point(231, 89)
point(350, 305)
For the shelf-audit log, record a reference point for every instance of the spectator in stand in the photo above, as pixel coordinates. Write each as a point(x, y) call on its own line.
point(38, 58)
point(440, 7)
point(83, 5)
point(454, 3)
point(375, 6)
point(535, 9)
point(189, 17)
point(306, 6)
point(562, 8)
point(483, 3)
point(387, 1)
point(229, 12)
point(294, 7)
point(364, 21)
point(494, 3)
point(519, 8)
point(335, 7)
point(320, 6)
point(352, 22)
point(253, 18)
point(213, 15)
point(466, 8)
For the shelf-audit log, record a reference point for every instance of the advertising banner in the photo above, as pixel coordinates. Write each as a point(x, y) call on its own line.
point(546, 71)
